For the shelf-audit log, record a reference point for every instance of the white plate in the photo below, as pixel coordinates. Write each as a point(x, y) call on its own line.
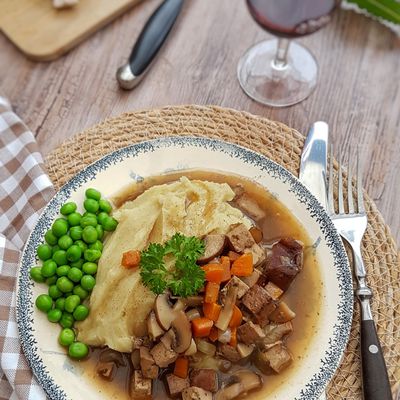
point(61, 378)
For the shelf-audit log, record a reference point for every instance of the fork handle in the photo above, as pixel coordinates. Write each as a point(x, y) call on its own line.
point(376, 384)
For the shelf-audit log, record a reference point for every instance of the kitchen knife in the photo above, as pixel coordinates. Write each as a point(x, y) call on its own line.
point(314, 159)
point(150, 40)
point(313, 166)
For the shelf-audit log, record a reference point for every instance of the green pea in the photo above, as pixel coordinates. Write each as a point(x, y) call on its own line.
point(75, 274)
point(75, 232)
point(100, 232)
point(77, 264)
point(89, 268)
point(81, 312)
point(105, 206)
point(74, 253)
point(97, 245)
point(93, 194)
point(101, 216)
point(60, 257)
point(60, 303)
point(91, 205)
point(44, 252)
point(36, 274)
point(88, 282)
point(91, 255)
point(52, 280)
point(81, 292)
point(63, 270)
point(89, 214)
point(83, 246)
point(49, 268)
point(89, 234)
point(54, 292)
point(44, 302)
point(60, 227)
point(64, 284)
point(68, 208)
point(67, 320)
point(88, 221)
point(74, 219)
point(71, 302)
point(54, 315)
point(78, 350)
point(66, 337)
point(65, 242)
point(50, 238)
point(109, 224)
point(55, 248)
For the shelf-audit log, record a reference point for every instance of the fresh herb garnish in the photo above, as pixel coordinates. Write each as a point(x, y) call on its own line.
point(186, 278)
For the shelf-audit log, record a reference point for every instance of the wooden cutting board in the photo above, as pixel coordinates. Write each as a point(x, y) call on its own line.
point(44, 33)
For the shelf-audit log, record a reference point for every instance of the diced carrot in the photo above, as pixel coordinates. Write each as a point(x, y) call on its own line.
point(201, 327)
point(233, 341)
point(212, 291)
point(130, 259)
point(233, 256)
point(211, 311)
point(243, 266)
point(236, 319)
point(214, 272)
point(226, 263)
point(181, 367)
point(213, 336)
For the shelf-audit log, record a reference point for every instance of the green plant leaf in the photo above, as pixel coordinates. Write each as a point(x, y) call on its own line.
point(386, 9)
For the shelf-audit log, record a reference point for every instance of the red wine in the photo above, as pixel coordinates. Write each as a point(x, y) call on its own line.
point(292, 18)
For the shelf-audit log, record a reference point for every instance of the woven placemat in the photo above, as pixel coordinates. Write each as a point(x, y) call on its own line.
point(283, 145)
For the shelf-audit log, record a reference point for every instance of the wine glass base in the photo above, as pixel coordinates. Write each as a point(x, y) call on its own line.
point(273, 85)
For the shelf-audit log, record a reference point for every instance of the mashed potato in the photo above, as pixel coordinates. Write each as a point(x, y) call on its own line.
point(120, 303)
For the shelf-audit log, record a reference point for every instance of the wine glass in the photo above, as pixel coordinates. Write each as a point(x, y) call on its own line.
point(280, 72)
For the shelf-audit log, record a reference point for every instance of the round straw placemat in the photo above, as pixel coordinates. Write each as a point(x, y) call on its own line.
point(283, 145)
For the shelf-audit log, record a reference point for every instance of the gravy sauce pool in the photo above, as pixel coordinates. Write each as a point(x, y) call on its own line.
point(304, 295)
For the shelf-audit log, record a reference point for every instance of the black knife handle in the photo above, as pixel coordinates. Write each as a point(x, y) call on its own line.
point(376, 384)
point(153, 35)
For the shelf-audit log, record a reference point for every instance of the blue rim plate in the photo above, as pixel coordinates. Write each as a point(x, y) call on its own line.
point(63, 379)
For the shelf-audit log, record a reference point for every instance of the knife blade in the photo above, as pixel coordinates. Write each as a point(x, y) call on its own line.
point(313, 166)
point(313, 163)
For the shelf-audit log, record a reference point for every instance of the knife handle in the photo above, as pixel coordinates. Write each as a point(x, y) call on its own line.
point(150, 40)
point(376, 384)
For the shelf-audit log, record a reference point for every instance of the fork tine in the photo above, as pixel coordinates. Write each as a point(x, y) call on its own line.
point(331, 204)
point(360, 199)
point(340, 184)
point(350, 189)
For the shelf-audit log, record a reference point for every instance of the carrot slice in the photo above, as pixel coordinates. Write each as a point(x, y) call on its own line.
point(130, 259)
point(243, 266)
point(214, 272)
point(213, 336)
point(226, 263)
point(201, 327)
point(233, 341)
point(181, 367)
point(236, 319)
point(212, 291)
point(211, 311)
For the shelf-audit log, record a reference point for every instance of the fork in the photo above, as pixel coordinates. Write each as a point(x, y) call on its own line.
point(351, 226)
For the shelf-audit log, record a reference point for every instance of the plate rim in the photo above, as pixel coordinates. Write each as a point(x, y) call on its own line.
point(316, 386)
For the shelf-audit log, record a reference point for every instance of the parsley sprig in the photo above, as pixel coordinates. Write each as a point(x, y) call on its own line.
point(186, 278)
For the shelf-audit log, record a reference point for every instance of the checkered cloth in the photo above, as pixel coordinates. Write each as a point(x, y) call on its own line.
point(24, 190)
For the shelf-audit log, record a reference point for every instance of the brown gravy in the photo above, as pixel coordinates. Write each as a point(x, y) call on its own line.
point(304, 295)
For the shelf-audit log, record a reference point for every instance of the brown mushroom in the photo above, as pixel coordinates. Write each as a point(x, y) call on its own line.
point(183, 332)
point(245, 349)
point(214, 246)
point(248, 379)
point(282, 314)
point(227, 310)
point(164, 312)
point(153, 328)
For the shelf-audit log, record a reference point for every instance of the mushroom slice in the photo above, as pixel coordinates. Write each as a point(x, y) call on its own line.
point(229, 392)
point(192, 348)
point(214, 246)
point(248, 379)
point(282, 314)
point(164, 312)
point(106, 370)
point(227, 310)
point(183, 332)
point(153, 328)
point(245, 349)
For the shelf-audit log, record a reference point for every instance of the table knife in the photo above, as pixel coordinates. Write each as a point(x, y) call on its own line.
point(150, 41)
point(313, 166)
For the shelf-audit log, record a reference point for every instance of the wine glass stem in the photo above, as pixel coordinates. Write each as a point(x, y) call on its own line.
point(280, 61)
